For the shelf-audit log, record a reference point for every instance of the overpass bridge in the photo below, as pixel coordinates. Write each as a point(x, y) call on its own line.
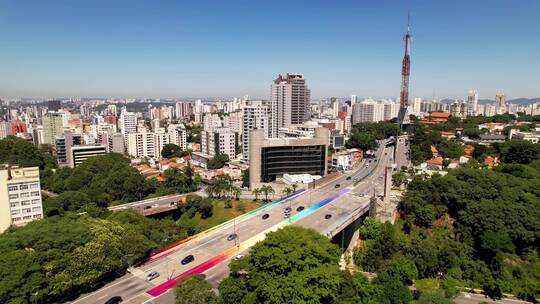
point(335, 208)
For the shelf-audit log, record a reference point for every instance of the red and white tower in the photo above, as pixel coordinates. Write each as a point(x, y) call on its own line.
point(405, 72)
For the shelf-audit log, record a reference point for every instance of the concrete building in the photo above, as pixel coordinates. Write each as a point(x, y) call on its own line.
point(472, 103)
point(367, 111)
point(255, 116)
point(161, 138)
point(500, 103)
point(274, 157)
point(116, 143)
point(219, 141)
point(354, 98)
point(79, 154)
point(5, 129)
point(53, 126)
point(63, 144)
point(178, 135)
point(20, 196)
point(289, 103)
point(459, 109)
point(183, 110)
point(127, 122)
point(211, 121)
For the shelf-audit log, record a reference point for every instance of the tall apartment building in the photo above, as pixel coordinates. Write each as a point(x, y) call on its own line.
point(472, 103)
point(367, 111)
point(5, 129)
point(116, 143)
point(354, 98)
point(178, 135)
point(234, 121)
point(289, 103)
point(211, 121)
point(219, 141)
point(128, 122)
point(161, 138)
point(391, 110)
point(20, 196)
point(255, 116)
point(183, 110)
point(500, 103)
point(53, 125)
point(141, 144)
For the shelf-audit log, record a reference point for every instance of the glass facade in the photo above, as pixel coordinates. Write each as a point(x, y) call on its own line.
point(276, 161)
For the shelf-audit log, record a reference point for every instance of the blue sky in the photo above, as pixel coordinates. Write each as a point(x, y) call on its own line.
point(231, 48)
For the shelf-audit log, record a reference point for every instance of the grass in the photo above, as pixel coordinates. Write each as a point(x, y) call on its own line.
point(427, 285)
point(222, 214)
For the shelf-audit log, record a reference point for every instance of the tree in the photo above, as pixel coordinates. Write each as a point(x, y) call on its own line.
point(195, 291)
point(256, 192)
point(520, 151)
point(218, 161)
point(286, 191)
point(17, 151)
point(399, 179)
point(267, 189)
point(245, 178)
point(362, 141)
point(292, 265)
point(172, 150)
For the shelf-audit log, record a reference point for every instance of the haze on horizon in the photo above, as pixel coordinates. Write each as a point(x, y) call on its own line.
point(225, 49)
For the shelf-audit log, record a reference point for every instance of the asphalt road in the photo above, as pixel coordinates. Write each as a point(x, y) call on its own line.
point(132, 288)
point(472, 298)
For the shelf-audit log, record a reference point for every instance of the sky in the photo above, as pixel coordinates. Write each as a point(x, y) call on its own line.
point(201, 48)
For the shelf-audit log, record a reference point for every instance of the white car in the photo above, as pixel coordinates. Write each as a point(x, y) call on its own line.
point(238, 257)
point(152, 275)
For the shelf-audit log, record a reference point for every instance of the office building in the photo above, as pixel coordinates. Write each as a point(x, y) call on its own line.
point(63, 144)
point(255, 116)
point(289, 104)
point(472, 103)
point(272, 158)
point(54, 105)
point(20, 196)
point(79, 154)
point(53, 126)
point(219, 141)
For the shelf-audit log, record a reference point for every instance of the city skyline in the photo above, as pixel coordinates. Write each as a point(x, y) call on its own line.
point(341, 50)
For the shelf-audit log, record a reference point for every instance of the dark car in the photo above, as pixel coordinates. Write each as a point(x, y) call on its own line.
point(337, 186)
point(114, 300)
point(187, 259)
point(300, 208)
point(348, 178)
point(265, 216)
point(232, 237)
point(328, 216)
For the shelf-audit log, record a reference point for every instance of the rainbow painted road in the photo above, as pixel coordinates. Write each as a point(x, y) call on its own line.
point(207, 265)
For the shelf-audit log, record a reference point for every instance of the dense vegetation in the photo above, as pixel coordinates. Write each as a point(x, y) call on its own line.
point(218, 161)
point(109, 179)
point(47, 260)
point(470, 228)
point(364, 135)
point(17, 151)
point(172, 150)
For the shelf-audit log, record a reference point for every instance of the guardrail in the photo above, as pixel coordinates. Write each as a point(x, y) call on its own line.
point(354, 215)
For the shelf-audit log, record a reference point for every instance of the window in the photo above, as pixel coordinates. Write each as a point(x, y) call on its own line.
point(37, 216)
point(36, 209)
point(13, 188)
point(25, 203)
point(35, 193)
point(25, 194)
point(26, 210)
point(13, 196)
point(36, 201)
point(34, 186)
point(27, 217)
point(23, 187)
point(14, 205)
point(16, 219)
point(15, 212)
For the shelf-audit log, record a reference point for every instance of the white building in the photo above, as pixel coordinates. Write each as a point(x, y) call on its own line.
point(255, 116)
point(500, 103)
point(219, 141)
point(127, 122)
point(178, 135)
point(20, 196)
point(211, 121)
point(53, 125)
point(472, 103)
point(368, 111)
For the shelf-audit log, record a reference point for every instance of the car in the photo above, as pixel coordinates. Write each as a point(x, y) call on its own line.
point(337, 186)
point(114, 300)
point(286, 215)
point(288, 209)
point(300, 208)
point(355, 179)
point(238, 257)
point(348, 178)
point(361, 195)
point(188, 259)
point(232, 237)
point(152, 275)
point(367, 165)
point(328, 216)
point(265, 216)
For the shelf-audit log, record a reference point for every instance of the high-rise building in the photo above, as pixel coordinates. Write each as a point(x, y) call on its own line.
point(20, 196)
point(472, 103)
point(211, 121)
point(116, 143)
point(289, 104)
point(255, 116)
point(500, 103)
point(183, 110)
point(54, 105)
point(219, 141)
point(353, 99)
point(335, 107)
point(53, 126)
point(128, 122)
point(5, 129)
point(367, 111)
point(178, 135)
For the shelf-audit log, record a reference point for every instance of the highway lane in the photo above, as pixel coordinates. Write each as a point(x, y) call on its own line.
point(214, 243)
